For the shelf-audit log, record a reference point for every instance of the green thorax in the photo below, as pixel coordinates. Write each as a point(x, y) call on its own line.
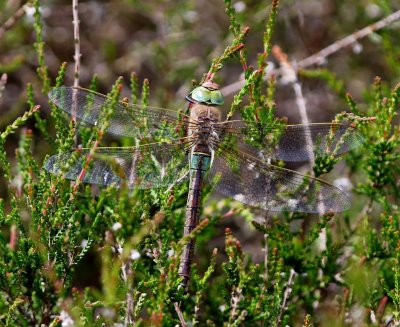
point(207, 93)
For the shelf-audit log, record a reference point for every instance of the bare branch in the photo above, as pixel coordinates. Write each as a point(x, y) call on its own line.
point(3, 82)
point(286, 296)
point(77, 55)
point(13, 19)
point(266, 254)
point(289, 76)
point(180, 315)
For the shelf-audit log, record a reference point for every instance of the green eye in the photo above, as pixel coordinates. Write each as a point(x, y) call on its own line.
point(201, 94)
point(217, 97)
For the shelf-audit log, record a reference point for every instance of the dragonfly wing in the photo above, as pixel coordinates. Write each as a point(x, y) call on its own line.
point(298, 142)
point(128, 119)
point(258, 184)
point(155, 165)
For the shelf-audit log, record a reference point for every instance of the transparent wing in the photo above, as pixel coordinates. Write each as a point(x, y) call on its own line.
point(128, 119)
point(297, 142)
point(258, 184)
point(154, 165)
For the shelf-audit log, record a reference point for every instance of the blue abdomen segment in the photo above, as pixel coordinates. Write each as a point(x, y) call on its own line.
point(197, 158)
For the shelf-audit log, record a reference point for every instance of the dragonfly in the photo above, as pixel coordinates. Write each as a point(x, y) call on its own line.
point(199, 147)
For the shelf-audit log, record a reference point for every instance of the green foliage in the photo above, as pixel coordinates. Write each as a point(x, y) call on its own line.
point(39, 45)
point(75, 254)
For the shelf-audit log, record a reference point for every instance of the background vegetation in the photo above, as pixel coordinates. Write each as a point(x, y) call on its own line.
point(80, 255)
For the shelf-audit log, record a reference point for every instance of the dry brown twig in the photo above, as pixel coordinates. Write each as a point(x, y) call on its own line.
point(266, 254)
point(3, 82)
point(9, 23)
point(286, 296)
point(126, 273)
point(289, 76)
point(180, 315)
point(236, 297)
point(77, 59)
point(77, 55)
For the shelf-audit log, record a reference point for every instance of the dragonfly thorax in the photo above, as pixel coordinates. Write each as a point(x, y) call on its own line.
point(203, 118)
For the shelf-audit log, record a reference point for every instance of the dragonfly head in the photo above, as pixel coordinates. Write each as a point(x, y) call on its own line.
point(207, 93)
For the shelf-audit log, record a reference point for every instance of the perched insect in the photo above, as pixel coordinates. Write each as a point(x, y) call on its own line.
point(217, 151)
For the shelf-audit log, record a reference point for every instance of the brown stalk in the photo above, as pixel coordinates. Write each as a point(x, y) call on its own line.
point(286, 296)
point(9, 23)
point(77, 55)
point(180, 315)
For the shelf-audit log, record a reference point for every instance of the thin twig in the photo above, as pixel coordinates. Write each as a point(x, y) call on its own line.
point(235, 300)
point(319, 57)
point(13, 19)
point(286, 296)
point(126, 273)
point(77, 55)
point(180, 315)
point(129, 309)
point(266, 254)
point(289, 75)
point(77, 59)
point(364, 211)
point(3, 82)
point(301, 105)
point(389, 321)
point(13, 237)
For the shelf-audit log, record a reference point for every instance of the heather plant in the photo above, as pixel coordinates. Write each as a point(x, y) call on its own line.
point(73, 254)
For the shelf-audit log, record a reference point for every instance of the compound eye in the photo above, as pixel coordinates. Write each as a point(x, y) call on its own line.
point(217, 98)
point(201, 94)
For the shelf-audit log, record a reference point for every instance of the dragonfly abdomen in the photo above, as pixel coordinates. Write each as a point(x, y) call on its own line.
point(199, 164)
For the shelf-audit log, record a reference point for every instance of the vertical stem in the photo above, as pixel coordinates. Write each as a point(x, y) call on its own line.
point(10, 22)
point(286, 296)
point(191, 219)
point(180, 315)
point(266, 254)
point(77, 55)
point(77, 58)
point(3, 82)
